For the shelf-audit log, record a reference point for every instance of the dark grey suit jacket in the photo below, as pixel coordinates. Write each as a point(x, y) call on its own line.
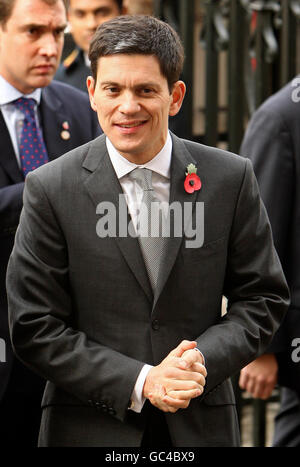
point(82, 313)
point(59, 103)
point(272, 142)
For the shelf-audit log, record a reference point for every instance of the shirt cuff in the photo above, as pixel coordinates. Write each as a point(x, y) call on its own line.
point(137, 398)
point(196, 348)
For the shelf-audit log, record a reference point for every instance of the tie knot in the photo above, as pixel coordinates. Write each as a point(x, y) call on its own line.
point(143, 177)
point(25, 105)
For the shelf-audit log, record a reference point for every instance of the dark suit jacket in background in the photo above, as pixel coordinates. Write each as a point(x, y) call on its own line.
point(73, 70)
point(272, 142)
point(91, 321)
point(59, 104)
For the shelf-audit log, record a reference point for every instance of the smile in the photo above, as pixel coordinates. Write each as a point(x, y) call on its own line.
point(130, 128)
point(131, 125)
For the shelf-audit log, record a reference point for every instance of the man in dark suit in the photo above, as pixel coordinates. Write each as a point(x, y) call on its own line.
point(31, 40)
point(84, 16)
point(117, 308)
point(272, 141)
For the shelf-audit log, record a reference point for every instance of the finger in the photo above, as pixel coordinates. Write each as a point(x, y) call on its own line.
point(267, 392)
point(182, 347)
point(184, 385)
point(199, 368)
point(156, 395)
point(260, 388)
point(188, 376)
point(185, 395)
point(156, 398)
point(250, 386)
point(243, 380)
point(192, 356)
point(174, 403)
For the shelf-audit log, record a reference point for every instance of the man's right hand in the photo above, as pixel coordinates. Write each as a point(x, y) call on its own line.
point(260, 376)
point(172, 384)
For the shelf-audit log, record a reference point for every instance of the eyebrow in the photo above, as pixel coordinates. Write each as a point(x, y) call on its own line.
point(102, 9)
point(140, 85)
point(24, 27)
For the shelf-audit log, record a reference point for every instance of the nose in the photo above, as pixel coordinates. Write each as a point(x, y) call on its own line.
point(91, 21)
point(129, 104)
point(49, 46)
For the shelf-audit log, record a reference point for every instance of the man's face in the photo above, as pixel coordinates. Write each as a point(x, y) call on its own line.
point(86, 15)
point(31, 43)
point(133, 102)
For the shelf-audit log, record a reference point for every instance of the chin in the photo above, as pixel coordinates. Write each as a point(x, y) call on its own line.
point(44, 81)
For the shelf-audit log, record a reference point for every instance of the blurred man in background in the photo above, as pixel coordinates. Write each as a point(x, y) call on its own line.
point(84, 17)
point(272, 142)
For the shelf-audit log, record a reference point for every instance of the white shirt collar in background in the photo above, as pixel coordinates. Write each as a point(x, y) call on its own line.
point(8, 93)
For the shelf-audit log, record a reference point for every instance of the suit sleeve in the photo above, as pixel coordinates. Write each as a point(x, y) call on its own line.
point(40, 313)
point(269, 145)
point(10, 207)
point(255, 287)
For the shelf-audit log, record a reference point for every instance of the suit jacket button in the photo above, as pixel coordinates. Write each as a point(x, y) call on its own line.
point(155, 325)
point(111, 411)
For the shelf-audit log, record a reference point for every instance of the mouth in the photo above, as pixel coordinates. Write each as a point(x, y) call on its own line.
point(45, 68)
point(130, 127)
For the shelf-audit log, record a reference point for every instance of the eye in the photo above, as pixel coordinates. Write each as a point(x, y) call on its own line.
point(33, 31)
point(102, 12)
point(146, 91)
point(112, 90)
point(58, 33)
point(78, 13)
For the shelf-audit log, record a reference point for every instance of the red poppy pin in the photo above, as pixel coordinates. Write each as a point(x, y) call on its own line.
point(192, 181)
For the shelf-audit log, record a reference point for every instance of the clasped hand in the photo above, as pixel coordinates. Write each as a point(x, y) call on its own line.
point(180, 377)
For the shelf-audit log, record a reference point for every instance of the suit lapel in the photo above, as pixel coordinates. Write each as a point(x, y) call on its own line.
point(103, 186)
point(8, 157)
point(52, 117)
point(181, 158)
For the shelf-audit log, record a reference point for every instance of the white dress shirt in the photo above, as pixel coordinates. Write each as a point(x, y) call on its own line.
point(13, 117)
point(160, 166)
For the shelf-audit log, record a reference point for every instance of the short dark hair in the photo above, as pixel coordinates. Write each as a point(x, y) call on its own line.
point(139, 34)
point(7, 6)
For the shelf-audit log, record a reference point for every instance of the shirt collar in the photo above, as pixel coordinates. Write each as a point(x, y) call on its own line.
point(8, 93)
point(160, 164)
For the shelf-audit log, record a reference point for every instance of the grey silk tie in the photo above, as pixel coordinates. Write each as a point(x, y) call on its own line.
point(149, 225)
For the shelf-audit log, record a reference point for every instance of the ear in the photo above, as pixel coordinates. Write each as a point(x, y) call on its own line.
point(178, 93)
point(90, 82)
